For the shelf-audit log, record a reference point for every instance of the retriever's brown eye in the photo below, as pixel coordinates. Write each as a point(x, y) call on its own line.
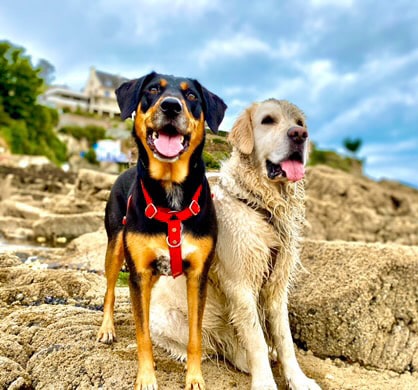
point(267, 120)
point(299, 122)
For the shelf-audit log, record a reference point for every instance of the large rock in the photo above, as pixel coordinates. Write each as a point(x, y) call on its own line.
point(49, 343)
point(87, 252)
point(69, 226)
point(358, 302)
point(341, 206)
point(94, 184)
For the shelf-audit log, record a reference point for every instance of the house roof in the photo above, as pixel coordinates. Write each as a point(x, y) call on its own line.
point(110, 80)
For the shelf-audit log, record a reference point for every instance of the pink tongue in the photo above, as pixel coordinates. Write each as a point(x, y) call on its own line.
point(168, 146)
point(294, 170)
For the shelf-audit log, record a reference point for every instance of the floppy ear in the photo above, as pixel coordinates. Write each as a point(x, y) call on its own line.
point(213, 107)
point(129, 94)
point(241, 135)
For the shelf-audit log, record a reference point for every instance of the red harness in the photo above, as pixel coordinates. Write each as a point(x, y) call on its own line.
point(173, 220)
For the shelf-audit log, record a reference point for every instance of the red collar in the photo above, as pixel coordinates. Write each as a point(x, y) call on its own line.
point(173, 220)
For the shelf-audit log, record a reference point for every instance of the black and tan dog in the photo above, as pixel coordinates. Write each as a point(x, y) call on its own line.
point(160, 216)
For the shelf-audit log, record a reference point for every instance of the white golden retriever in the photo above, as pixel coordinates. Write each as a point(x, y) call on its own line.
point(259, 205)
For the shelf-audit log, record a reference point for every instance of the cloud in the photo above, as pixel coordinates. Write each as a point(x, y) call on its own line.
point(238, 46)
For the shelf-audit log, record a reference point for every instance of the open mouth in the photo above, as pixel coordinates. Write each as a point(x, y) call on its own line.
point(291, 168)
point(167, 144)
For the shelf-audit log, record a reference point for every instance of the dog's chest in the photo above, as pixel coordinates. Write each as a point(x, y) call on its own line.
point(162, 262)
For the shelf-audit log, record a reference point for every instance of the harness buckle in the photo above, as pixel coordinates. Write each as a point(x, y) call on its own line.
point(194, 207)
point(150, 211)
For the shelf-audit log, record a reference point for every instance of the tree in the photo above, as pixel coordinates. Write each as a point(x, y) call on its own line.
point(26, 126)
point(352, 145)
point(47, 71)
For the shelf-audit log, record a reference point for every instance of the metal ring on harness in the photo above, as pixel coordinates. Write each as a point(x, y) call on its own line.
point(173, 246)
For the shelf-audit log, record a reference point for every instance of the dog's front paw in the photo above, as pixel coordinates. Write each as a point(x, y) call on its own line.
point(264, 385)
point(146, 381)
point(195, 382)
point(106, 334)
point(301, 382)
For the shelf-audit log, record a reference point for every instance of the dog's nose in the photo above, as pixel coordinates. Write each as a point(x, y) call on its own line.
point(171, 106)
point(297, 134)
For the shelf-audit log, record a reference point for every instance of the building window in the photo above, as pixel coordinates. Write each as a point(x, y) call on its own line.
point(107, 94)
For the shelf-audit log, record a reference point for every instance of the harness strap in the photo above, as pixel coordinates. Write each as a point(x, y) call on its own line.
point(173, 220)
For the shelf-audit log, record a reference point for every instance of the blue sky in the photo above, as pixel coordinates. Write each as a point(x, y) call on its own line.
point(351, 65)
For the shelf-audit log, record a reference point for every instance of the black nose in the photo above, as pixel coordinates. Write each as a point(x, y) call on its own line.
point(297, 134)
point(171, 106)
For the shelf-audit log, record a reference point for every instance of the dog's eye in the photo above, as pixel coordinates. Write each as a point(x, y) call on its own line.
point(299, 122)
point(154, 90)
point(191, 96)
point(267, 120)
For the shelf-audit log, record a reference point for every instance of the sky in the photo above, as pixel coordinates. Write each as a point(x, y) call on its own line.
point(350, 65)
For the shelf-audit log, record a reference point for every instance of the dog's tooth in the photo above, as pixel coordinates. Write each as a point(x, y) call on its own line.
point(182, 139)
point(154, 135)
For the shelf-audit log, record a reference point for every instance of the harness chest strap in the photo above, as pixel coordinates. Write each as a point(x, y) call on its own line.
point(173, 220)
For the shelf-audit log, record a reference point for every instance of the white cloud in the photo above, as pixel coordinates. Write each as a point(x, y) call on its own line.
point(237, 46)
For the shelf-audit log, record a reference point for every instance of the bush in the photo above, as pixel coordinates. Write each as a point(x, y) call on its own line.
point(91, 133)
point(210, 161)
point(91, 157)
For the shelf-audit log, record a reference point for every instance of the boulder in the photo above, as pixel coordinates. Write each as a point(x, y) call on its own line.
point(94, 183)
point(69, 226)
point(87, 252)
point(341, 206)
point(358, 302)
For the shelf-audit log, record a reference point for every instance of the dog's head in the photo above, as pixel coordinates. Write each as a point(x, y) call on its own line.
point(275, 132)
point(170, 113)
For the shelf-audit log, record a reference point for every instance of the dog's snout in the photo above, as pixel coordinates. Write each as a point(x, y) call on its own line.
point(171, 106)
point(298, 134)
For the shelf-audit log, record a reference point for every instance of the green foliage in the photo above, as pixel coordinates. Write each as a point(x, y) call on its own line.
point(352, 145)
point(91, 157)
point(91, 133)
point(333, 159)
point(210, 161)
point(27, 127)
point(123, 279)
point(219, 141)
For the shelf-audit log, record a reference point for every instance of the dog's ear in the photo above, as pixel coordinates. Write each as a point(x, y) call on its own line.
point(241, 135)
point(213, 107)
point(129, 94)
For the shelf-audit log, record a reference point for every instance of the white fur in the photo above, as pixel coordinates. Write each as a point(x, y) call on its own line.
point(247, 287)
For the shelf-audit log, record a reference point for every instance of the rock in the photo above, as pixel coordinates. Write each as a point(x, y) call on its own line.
point(9, 260)
point(31, 287)
point(357, 301)
point(16, 228)
point(341, 206)
point(91, 182)
point(87, 252)
point(69, 225)
point(11, 208)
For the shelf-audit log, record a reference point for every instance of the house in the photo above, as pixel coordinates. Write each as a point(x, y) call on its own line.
point(100, 91)
point(98, 95)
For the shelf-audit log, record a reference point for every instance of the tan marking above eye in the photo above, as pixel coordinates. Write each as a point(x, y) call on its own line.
point(184, 85)
point(163, 83)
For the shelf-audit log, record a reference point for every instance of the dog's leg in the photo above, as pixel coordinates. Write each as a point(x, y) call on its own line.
point(197, 274)
point(282, 337)
point(113, 264)
point(245, 318)
point(140, 285)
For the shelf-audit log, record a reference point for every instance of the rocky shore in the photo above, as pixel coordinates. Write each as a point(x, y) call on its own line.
point(353, 308)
